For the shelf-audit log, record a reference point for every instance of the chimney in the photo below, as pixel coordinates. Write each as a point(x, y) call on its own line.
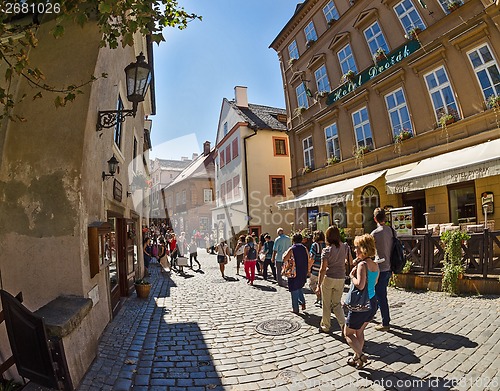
point(240, 96)
point(206, 148)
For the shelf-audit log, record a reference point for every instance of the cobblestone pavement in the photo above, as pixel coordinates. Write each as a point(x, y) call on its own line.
point(199, 333)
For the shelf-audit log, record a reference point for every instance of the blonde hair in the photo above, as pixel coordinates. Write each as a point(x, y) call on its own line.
point(249, 239)
point(366, 244)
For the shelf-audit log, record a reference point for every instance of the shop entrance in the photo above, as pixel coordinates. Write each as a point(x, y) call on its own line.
point(417, 200)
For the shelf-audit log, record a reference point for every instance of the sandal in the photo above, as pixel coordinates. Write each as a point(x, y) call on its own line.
point(352, 361)
point(361, 361)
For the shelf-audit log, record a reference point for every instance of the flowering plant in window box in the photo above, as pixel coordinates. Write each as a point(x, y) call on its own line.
point(310, 42)
point(305, 170)
point(331, 21)
point(348, 76)
point(493, 101)
point(446, 119)
point(405, 134)
point(141, 181)
point(332, 160)
point(379, 55)
point(452, 5)
point(413, 33)
point(299, 110)
point(292, 61)
point(321, 94)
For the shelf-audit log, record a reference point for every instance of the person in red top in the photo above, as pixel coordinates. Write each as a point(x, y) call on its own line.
point(172, 244)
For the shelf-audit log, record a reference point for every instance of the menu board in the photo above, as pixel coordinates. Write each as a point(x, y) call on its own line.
point(402, 220)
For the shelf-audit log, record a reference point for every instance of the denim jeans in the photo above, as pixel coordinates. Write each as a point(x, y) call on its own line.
point(381, 293)
point(267, 262)
point(279, 277)
point(297, 298)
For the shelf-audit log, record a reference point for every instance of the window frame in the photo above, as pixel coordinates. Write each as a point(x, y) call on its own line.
point(407, 12)
point(308, 152)
point(228, 153)
point(229, 190)
point(302, 96)
point(346, 59)
point(310, 32)
point(484, 67)
point(397, 108)
point(329, 12)
point(294, 51)
point(236, 186)
point(207, 196)
point(440, 88)
point(271, 187)
point(321, 79)
point(375, 37)
point(275, 149)
point(362, 124)
point(235, 148)
point(331, 141)
point(222, 158)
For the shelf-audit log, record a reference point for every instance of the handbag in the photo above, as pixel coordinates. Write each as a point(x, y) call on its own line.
point(289, 269)
point(357, 300)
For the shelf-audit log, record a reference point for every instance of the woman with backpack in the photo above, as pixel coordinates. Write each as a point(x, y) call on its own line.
point(238, 252)
point(298, 252)
point(250, 259)
point(315, 262)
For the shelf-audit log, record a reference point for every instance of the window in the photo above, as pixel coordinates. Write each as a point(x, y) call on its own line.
point(442, 96)
point(183, 199)
point(446, 3)
point(229, 189)
point(226, 130)
point(302, 96)
point(280, 146)
point(375, 39)
point(307, 144)
point(223, 192)
point(486, 69)
point(293, 52)
point(277, 184)
point(362, 128)
point(236, 186)
point(204, 224)
point(332, 141)
point(207, 196)
point(228, 153)
point(235, 148)
point(408, 15)
point(119, 123)
point(177, 199)
point(310, 32)
point(330, 11)
point(134, 155)
point(398, 112)
point(222, 158)
point(346, 60)
point(322, 79)
point(462, 203)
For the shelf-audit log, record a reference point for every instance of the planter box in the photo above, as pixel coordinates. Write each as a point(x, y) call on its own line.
point(142, 290)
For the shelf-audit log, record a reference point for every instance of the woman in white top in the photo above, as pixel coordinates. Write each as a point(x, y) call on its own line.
point(223, 257)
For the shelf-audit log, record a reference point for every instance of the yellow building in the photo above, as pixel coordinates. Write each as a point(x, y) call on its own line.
point(393, 104)
point(252, 171)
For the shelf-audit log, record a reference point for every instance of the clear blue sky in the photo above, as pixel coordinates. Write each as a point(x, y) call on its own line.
point(199, 66)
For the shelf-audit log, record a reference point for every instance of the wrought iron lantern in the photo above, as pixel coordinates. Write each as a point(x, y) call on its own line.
point(112, 168)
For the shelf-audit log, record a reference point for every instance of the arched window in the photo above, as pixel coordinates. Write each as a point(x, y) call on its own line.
point(370, 199)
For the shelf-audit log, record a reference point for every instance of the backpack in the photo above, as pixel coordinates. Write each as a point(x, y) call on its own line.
point(397, 254)
point(252, 253)
point(289, 269)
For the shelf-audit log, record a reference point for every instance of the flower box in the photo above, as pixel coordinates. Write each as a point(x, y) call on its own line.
point(310, 42)
point(413, 33)
point(142, 288)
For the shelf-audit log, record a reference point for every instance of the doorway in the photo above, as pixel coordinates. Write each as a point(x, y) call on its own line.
point(417, 200)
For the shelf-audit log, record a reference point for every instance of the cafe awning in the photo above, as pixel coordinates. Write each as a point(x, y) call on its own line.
point(478, 161)
point(331, 193)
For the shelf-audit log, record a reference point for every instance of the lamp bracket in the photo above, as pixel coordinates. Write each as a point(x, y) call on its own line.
point(109, 118)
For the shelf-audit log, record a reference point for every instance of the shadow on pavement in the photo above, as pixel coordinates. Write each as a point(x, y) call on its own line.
point(265, 288)
point(440, 340)
point(314, 321)
point(389, 353)
point(231, 279)
point(404, 381)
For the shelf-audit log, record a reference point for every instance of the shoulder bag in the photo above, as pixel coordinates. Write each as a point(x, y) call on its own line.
point(357, 300)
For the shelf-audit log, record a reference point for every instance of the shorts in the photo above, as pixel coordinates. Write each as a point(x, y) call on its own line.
point(221, 259)
point(355, 320)
point(313, 283)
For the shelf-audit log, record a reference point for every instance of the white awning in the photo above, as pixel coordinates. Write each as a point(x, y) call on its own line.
point(331, 193)
point(478, 161)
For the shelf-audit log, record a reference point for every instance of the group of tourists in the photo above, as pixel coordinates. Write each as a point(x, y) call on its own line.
point(326, 263)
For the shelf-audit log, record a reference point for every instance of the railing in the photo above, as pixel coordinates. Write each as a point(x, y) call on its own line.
point(481, 253)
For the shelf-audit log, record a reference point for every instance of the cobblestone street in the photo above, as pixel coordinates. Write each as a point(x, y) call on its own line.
point(199, 333)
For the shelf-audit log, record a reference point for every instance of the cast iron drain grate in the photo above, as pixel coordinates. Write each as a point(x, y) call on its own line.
point(277, 327)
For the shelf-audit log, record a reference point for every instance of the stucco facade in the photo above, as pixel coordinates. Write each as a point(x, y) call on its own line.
point(52, 189)
point(449, 66)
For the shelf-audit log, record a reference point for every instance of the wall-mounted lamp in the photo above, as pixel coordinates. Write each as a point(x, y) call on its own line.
point(112, 167)
point(138, 77)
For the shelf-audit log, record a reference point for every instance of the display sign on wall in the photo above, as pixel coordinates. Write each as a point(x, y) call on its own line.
point(402, 220)
point(487, 202)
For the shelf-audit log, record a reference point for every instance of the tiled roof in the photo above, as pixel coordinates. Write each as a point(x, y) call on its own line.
point(198, 168)
point(261, 117)
point(174, 164)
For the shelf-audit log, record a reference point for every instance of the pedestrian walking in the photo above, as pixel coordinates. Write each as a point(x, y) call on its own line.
point(174, 251)
point(331, 278)
point(163, 256)
point(317, 247)
point(222, 251)
point(267, 250)
point(193, 253)
point(147, 250)
point(238, 252)
point(295, 284)
point(383, 235)
point(364, 274)
point(281, 244)
point(250, 259)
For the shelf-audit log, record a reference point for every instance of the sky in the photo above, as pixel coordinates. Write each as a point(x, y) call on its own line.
point(199, 66)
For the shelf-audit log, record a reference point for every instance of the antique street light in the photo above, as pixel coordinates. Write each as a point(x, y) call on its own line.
point(138, 78)
point(112, 168)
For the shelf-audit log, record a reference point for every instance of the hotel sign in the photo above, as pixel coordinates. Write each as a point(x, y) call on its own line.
point(393, 58)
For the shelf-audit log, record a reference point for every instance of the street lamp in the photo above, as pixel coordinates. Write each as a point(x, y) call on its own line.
point(138, 78)
point(112, 168)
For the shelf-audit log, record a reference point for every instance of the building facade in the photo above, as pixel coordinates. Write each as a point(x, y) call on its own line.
point(392, 104)
point(69, 219)
point(253, 168)
point(189, 198)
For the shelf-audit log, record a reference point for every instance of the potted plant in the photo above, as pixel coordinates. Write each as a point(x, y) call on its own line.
point(453, 267)
point(413, 33)
point(321, 94)
point(292, 61)
point(142, 287)
point(299, 110)
point(446, 119)
point(452, 5)
point(306, 169)
point(348, 76)
point(332, 160)
point(493, 101)
point(310, 42)
point(379, 55)
point(331, 21)
point(405, 134)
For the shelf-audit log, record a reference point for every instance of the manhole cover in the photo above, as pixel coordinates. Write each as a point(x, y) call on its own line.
point(277, 327)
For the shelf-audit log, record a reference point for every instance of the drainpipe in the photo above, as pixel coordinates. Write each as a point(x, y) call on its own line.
point(254, 128)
